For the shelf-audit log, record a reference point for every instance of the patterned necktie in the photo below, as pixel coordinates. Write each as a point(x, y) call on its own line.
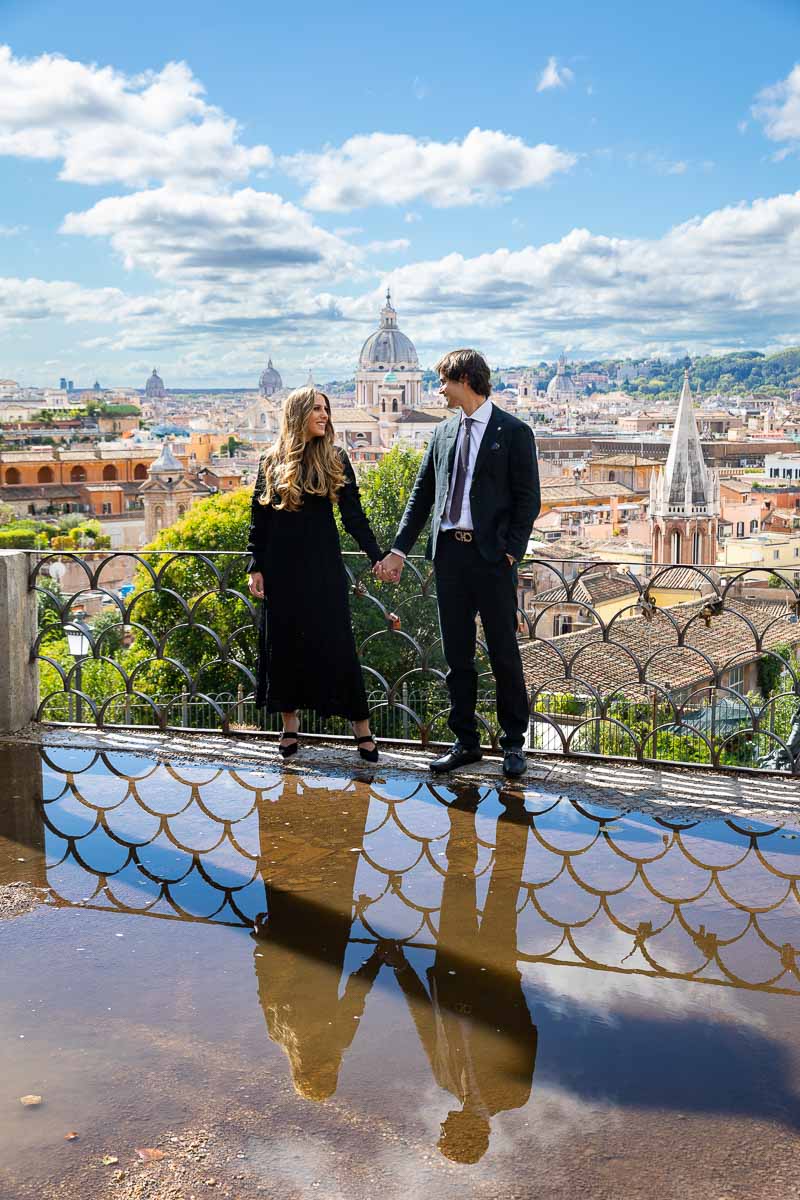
point(457, 501)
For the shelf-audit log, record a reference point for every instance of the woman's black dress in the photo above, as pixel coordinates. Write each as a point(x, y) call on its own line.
point(307, 652)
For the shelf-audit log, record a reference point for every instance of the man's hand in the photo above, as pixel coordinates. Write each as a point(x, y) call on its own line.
point(255, 582)
point(390, 568)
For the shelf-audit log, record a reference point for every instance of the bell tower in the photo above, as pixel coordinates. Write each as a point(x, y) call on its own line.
point(684, 496)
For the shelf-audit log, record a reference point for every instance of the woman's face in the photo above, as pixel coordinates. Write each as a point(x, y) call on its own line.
point(317, 421)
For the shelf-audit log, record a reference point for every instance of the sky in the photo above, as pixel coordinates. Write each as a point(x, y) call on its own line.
point(198, 187)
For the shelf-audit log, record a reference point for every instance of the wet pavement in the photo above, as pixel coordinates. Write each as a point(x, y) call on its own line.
point(380, 986)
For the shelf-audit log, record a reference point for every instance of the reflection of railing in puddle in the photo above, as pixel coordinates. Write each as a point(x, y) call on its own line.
point(711, 903)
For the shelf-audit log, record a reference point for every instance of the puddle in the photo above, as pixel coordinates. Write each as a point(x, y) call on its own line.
point(389, 988)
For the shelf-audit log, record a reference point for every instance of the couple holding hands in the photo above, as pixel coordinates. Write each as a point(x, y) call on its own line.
point(479, 477)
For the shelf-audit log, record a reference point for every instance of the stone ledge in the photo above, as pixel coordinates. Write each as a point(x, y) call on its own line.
point(674, 793)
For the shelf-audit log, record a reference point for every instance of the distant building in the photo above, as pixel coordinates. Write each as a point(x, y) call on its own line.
point(154, 388)
point(269, 382)
point(388, 378)
point(684, 495)
point(561, 389)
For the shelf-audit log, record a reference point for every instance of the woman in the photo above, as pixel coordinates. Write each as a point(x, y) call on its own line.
point(307, 653)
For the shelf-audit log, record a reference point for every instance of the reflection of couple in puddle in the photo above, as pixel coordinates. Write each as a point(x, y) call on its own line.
point(472, 1018)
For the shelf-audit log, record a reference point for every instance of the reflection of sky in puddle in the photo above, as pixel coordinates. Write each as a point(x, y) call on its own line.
point(715, 900)
point(476, 939)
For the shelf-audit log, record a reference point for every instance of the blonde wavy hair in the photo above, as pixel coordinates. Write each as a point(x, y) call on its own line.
point(297, 464)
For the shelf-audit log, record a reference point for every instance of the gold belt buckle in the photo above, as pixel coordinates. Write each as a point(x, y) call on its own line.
point(463, 535)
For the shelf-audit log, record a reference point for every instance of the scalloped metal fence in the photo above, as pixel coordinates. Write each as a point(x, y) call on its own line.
point(630, 894)
point(642, 678)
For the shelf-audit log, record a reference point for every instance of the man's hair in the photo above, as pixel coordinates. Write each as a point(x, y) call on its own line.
point(457, 363)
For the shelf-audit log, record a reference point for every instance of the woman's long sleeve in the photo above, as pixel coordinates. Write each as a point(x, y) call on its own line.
point(353, 516)
point(259, 523)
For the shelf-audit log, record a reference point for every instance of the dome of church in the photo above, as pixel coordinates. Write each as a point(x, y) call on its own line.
point(561, 387)
point(387, 347)
point(269, 381)
point(154, 388)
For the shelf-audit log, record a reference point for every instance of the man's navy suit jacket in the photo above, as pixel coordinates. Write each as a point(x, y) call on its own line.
point(504, 496)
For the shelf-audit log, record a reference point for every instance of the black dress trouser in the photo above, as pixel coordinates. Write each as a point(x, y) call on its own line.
point(468, 586)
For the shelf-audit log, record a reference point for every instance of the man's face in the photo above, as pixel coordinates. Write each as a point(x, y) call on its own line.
point(452, 390)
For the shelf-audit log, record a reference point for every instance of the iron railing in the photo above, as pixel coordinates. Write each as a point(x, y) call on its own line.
point(677, 665)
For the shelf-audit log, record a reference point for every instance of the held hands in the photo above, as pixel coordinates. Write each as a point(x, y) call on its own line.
point(255, 582)
point(389, 569)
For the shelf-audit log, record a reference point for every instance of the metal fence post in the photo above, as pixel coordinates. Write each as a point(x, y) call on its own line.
point(19, 677)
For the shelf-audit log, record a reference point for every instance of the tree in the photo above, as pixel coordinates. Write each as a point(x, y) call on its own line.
point(7, 514)
point(215, 591)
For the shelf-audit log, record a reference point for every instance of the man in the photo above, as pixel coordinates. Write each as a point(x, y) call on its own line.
point(473, 1019)
point(480, 476)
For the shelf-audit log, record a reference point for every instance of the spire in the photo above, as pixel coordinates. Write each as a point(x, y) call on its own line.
point(166, 463)
point(688, 485)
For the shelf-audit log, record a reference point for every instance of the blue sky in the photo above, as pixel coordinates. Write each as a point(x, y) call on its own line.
point(195, 187)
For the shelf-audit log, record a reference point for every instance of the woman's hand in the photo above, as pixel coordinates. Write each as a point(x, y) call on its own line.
point(255, 581)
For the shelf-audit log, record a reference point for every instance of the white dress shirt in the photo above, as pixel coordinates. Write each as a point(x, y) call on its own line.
point(480, 419)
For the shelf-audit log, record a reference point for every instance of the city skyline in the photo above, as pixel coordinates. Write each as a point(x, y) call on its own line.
point(202, 194)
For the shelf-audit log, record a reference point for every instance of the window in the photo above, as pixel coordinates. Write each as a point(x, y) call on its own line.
point(106, 508)
point(12, 475)
point(140, 471)
point(754, 526)
point(45, 475)
point(78, 474)
point(774, 473)
point(797, 551)
point(736, 677)
point(787, 472)
point(740, 528)
point(109, 471)
point(561, 625)
point(776, 555)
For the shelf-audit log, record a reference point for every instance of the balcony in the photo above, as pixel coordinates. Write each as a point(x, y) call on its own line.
point(611, 947)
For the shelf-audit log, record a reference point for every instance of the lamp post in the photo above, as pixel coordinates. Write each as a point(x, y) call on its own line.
point(80, 648)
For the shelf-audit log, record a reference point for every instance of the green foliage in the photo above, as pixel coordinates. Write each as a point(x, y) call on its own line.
point(742, 371)
point(220, 522)
point(117, 410)
point(770, 669)
point(7, 514)
point(385, 489)
point(107, 632)
point(10, 539)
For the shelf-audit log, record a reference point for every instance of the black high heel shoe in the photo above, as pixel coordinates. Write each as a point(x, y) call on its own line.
point(370, 756)
point(288, 751)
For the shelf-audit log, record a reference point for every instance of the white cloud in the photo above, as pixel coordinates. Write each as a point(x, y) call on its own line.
point(554, 76)
point(217, 239)
point(411, 218)
point(105, 126)
point(24, 300)
point(723, 280)
point(12, 230)
point(386, 168)
point(778, 109)
point(394, 246)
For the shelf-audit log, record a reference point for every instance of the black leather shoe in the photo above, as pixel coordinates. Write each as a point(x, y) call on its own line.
point(456, 756)
point(514, 763)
